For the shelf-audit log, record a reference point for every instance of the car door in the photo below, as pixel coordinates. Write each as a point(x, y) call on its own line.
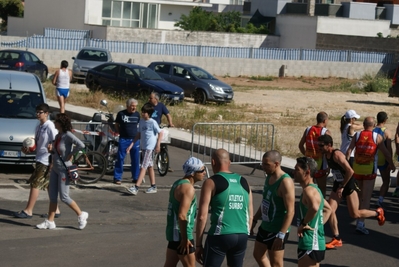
point(180, 78)
point(107, 77)
point(127, 80)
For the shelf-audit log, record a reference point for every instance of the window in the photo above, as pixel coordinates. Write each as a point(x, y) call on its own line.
point(27, 57)
point(130, 14)
point(126, 73)
point(110, 69)
point(34, 58)
point(163, 68)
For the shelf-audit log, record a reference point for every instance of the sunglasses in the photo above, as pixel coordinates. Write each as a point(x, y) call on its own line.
point(200, 171)
point(39, 112)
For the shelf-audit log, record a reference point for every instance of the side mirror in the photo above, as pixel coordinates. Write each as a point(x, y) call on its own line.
point(73, 58)
point(103, 102)
point(187, 77)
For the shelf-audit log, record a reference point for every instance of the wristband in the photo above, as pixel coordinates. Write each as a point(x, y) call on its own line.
point(303, 223)
point(280, 235)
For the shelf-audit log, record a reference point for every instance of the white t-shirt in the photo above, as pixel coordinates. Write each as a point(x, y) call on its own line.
point(44, 134)
point(149, 130)
point(63, 79)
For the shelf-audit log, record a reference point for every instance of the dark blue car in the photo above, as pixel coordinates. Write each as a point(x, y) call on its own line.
point(130, 79)
point(21, 60)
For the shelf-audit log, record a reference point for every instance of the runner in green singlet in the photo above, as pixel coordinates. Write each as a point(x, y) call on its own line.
point(276, 211)
point(229, 197)
point(182, 209)
point(314, 213)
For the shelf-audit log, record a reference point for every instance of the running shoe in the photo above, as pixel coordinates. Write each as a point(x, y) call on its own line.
point(151, 190)
point(132, 190)
point(396, 192)
point(46, 225)
point(334, 243)
point(82, 220)
point(380, 217)
point(361, 229)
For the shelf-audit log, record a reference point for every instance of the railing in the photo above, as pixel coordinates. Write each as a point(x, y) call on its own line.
point(246, 142)
point(57, 39)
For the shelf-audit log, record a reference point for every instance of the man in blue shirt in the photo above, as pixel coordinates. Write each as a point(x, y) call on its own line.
point(159, 110)
point(126, 125)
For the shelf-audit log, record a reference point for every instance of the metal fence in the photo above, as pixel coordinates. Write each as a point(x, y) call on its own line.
point(59, 39)
point(246, 142)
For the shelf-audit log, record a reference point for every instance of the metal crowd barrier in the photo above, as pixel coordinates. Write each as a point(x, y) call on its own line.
point(246, 142)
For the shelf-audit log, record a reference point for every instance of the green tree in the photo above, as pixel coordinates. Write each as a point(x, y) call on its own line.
point(201, 20)
point(10, 8)
point(197, 20)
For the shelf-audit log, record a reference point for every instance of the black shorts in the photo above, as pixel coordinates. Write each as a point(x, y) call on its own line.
point(174, 244)
point(267, 238)
point(232, 246)
point(348, 189)
point(316, 255)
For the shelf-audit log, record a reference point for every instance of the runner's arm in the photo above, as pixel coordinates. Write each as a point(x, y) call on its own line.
point(288, 194)
point(55, 77)
point(185, 195)
point(301, 144)
point(340, 158)
point(351, 147)
point(384, 150)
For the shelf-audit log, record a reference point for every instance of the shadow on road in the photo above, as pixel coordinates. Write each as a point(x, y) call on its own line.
point(373, 103)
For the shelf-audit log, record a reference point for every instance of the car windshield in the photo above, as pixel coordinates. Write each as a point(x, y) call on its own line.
point(201, 73)
point(92, 55)
point(19, 104)
point(146, 74)
point(9, 55)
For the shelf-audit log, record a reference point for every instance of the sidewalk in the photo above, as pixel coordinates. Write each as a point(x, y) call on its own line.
point(179, 137)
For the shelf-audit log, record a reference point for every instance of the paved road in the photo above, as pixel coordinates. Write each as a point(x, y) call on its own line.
point(126, 230)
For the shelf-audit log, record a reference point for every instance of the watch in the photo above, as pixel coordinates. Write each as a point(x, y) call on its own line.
point(303, 223)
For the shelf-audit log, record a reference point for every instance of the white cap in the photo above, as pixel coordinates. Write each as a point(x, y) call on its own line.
point(351, 114)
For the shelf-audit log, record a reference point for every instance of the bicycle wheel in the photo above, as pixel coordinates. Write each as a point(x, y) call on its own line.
point(162, 162)
point(99, 164)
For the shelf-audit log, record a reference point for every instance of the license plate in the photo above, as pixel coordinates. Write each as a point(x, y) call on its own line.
point(176, 98)
point(4, 66)
point(14, 154)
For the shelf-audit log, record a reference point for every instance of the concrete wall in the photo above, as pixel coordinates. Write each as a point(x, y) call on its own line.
point(296, 31)
point(359, 43)
point(192, 38)
point(40, 14)
point(354, 27)
point(356, 10)
point(234, 66)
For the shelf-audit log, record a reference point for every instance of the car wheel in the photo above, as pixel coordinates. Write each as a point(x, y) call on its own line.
point(199, 97)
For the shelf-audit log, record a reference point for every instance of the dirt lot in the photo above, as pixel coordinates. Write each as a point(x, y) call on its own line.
point(293, 103)
point(292, 110)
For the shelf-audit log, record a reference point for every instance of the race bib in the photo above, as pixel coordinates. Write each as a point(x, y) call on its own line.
point(265, 210)
point(337, 175)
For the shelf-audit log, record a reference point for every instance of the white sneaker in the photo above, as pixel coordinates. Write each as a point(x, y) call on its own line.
point(151, 190)
point(46, 225)
point(82, 220)
point(132, 190)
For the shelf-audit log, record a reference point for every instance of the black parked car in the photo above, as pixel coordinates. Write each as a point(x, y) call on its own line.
point(124, 78)
point(22, 60)
point(195, 81)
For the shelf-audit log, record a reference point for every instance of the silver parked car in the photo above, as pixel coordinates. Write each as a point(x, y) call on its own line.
point(195, 81)
point(88, 58)
point(20, 93)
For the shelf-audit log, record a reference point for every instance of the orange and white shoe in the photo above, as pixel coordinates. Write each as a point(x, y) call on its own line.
point(380, 217)
point(334, 243)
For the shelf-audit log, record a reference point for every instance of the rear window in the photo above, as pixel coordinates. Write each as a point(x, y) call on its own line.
point(93, 55)
point(19, 104)
point(7, 55)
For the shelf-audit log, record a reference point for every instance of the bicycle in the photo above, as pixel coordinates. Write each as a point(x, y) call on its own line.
point(162, 158)
point(92, 166)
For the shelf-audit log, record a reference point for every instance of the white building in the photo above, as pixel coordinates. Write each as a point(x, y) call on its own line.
point(90, 14)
